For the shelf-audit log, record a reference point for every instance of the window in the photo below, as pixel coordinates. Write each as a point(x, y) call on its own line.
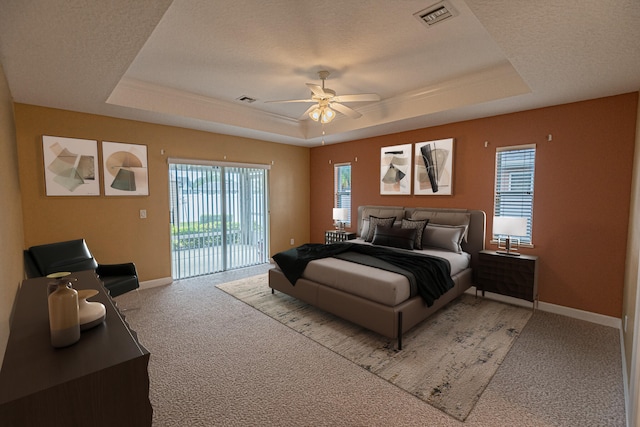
point(342, 188)
point(514, 185)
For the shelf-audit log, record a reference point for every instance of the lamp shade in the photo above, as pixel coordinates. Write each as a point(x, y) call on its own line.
point(340, 214)
point(510, 225)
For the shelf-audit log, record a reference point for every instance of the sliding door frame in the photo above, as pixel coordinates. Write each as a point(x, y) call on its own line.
point(225, 190)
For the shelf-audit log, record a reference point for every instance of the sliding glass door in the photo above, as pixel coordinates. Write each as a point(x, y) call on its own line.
point(219, 216)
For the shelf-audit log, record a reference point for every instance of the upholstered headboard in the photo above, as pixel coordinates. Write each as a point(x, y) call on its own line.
point(475, 238)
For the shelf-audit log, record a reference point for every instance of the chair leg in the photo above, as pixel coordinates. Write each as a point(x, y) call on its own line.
point(125, 307)
point(138, 298)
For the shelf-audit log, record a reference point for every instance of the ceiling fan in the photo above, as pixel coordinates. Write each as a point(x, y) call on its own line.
point(327, 101)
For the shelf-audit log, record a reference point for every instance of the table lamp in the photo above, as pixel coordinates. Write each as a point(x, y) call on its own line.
point(339, 216)
point(509, 226)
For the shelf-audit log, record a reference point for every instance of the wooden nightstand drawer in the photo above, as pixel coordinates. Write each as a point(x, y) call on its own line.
point(514, 276)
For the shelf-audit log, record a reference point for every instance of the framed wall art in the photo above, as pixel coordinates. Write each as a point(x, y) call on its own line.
point(70, 166)
point(395, 169)
point(125, 169)
point(433, 162)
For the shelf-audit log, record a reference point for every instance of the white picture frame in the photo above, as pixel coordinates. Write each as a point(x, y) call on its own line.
point(395, 170)
point(70, 166)
point(125, 169)
point(433, 168)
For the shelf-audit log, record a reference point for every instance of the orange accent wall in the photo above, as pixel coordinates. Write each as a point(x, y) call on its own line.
point(582, 189)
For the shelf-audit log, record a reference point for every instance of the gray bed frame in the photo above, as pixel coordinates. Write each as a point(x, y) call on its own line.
point(389, 321)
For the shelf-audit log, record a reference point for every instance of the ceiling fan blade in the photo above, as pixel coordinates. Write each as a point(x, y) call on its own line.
point(305, 115)
point(364, 97)
point(289, 100)
point(317, 90)
point(349, 112)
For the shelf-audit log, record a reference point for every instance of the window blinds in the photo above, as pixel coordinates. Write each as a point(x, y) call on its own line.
point(342, 187)
point(219, 217)
point(515, 167)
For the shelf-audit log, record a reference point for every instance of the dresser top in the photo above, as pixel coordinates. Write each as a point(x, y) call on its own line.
point(32, 364)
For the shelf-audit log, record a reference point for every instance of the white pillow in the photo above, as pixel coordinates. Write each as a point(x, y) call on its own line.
point(448, 237)
point(445, 218)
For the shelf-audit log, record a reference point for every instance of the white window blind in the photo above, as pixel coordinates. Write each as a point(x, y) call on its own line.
point(515, 167)
point(342, 187)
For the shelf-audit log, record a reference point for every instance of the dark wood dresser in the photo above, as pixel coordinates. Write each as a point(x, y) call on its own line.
point(102, 380)
point(514, 276)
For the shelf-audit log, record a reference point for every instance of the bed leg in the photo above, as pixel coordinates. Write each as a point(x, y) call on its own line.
point(399, 330)
point(273, 291)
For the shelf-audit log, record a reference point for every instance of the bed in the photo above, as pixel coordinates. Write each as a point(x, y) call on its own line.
point(383, 299)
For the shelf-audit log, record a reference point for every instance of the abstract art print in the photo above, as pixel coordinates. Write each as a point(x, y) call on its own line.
point(70, 166)
point(395, 169)
point(434, 168)
point(125, 169)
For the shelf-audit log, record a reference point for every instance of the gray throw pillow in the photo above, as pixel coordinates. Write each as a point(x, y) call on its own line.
point(448, 237)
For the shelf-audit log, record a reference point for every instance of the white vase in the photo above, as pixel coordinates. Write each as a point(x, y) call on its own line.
point(91, 313)
point(63, 315)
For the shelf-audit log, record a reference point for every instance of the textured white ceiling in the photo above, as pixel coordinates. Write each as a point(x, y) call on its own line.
point(186, 62)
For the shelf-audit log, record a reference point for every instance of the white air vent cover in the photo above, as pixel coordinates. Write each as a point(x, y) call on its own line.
point(436, 13)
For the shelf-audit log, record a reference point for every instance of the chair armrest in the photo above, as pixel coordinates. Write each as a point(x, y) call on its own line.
point(30, 266)
point(126, 269)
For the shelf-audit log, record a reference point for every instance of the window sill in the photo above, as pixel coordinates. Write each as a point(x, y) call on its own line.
point(523, 245)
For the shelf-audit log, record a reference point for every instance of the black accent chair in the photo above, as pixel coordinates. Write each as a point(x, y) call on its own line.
point(74, 255)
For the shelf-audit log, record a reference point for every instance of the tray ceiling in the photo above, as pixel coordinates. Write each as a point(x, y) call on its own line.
point(187, 63)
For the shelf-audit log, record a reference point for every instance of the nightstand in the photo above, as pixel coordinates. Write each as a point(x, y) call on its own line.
point(514, 276)
point(335, 236)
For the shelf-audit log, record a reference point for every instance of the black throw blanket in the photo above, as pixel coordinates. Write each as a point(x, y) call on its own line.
point(432, 274)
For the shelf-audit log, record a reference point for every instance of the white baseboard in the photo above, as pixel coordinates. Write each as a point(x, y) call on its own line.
point(600, 319)
point(588, 316)
point(148, 284)
point(625, 379)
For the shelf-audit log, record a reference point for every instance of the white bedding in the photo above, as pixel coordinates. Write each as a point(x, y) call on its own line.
point(371, 283)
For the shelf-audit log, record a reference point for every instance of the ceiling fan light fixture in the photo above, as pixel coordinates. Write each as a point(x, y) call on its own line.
point(315, 114)
point(322, 113)
point(327, 115)
point(325, 98)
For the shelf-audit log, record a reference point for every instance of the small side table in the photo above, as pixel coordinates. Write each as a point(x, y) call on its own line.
point(514, 276)
point(335, 236)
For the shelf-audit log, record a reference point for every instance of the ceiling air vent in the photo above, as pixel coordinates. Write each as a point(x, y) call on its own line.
point(245, 98)
point(436, 13)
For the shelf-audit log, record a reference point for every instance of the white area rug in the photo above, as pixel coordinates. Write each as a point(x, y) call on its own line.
point(447, 361)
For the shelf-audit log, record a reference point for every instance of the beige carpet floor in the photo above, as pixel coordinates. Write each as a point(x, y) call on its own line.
point(447, 360)
point(216, 361)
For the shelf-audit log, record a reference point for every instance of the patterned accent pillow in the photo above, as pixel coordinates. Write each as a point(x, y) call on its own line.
point(417, 225)
point(375, 221)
